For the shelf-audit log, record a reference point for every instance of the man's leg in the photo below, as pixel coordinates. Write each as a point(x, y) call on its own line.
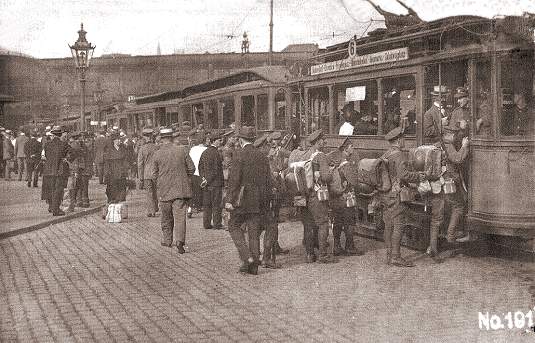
point(207, 207)
point(253, 231)
point(57, 195)
point(149, 197)
point(320, 213)
point(85, 190)
point(167, 222)
point(457, 212)
point(21, 163)
point(30, 164)
point(308, 234)
point(437, 217)
point(179, 214)
point(238, 237)
point(100, 171)
point(217, 198)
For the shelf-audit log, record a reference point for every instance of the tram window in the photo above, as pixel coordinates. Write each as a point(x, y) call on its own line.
point(318, 109)
point(280, 110)
point(453, 74)
point(399, 96)
point(228, 111)
point(212, 115)
point(186, 114)
point(247, 111)
point(365, 121)
point(262, 117)
point(517, 112)
point(483, 111)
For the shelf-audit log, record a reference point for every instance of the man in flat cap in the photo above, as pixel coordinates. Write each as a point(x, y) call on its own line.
point(248, 198)
point(55, 171)
point(211, 172)
point(144, 163)
point(172, 169)
point(394, 211)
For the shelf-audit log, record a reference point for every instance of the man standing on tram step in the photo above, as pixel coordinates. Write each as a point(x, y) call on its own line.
point(434, 119)
point(33, 156)
point(454, 162)
point(461, 114)
point(172, 169)
point(211, 172)
point(317, 212)
point(144, 164)
point(268, 223)
point(248, 198)
point(394, 211)
point(55, 171)
point(100, 145)
point(195, 154)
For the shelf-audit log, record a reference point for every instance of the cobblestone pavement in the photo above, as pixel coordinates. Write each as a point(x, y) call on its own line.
point(85, 280)
point(21, 206)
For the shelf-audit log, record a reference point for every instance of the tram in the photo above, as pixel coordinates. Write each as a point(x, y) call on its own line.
point(388, 76)
point(258, 97)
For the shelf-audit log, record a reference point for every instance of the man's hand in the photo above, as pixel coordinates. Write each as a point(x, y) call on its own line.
point(229, 207)
point(444, 121)
point(466, 141)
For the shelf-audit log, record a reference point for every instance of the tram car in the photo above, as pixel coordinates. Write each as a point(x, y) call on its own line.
point(258, 97)
point(387, 77)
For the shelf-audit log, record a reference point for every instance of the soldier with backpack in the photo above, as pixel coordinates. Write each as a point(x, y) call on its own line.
point(394, 210)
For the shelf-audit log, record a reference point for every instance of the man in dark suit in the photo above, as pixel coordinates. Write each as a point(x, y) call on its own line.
point(56, 170)
point(248, 198)
point(100, 146)
point(435, 119)
point(32, 149)
point(172, 169)
point(211, 172)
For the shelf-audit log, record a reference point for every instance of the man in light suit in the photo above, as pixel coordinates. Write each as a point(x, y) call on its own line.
point(248, 198)
point(144, 161)
point(172, 169)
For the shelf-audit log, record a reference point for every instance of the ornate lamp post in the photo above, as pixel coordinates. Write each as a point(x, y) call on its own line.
point(82, 51)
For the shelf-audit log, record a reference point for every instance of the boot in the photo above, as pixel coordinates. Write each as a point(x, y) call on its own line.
point(388, 259)
point(455, 219)
point(337, 249)
point(180, 248)
point(400, 262)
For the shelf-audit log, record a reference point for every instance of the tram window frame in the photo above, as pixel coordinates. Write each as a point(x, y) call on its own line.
point(405, 86)
point(281, 107)
point(262, 112)
point(212, 115)
point(228, 108)
point(516, 81)
point(318, 109)
point(370, 104)
point(248, 110)
point(483, 124)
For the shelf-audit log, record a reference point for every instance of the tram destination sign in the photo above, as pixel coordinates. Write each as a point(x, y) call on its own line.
point(361, 61)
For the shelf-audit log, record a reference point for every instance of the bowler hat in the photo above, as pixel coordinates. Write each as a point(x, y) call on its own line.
point(314, 136)
point(166, 132)
point(393, 134)
point(56, 130)
point(461, 92)
point(440, 91)
point(247, 132)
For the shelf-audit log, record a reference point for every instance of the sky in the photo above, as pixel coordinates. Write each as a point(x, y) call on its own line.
point(43, 29)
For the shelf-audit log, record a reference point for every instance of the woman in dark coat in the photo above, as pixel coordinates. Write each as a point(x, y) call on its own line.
point(116, 170)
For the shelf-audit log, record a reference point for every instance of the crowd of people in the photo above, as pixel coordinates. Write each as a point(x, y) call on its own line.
point(240, 181)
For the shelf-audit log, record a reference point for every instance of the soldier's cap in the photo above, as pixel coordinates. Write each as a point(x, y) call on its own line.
point(166, 132)
point(56, 130)
point(344, 143)
point(461, 92)
point(314, 136)
point(276, 135)
point(147, 131)
point(247, 132)
point(393, 134)
point(260, 141)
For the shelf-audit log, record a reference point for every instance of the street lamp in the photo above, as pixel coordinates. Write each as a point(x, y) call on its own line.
point(82, 51)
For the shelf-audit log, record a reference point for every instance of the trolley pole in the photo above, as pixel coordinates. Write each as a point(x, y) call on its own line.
point(270, 55)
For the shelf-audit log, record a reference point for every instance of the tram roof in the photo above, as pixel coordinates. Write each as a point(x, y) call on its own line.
point(270, 74)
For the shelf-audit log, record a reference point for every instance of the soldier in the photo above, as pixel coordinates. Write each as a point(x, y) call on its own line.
point(172, 169)
point(434, 119)
point(317, 212)
point(144, 162)
point(343, 216)
point(211, 172)
point(394, 211)
point(32, 149)
point(55, 170)
point(461, 113)
point(248, 198)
